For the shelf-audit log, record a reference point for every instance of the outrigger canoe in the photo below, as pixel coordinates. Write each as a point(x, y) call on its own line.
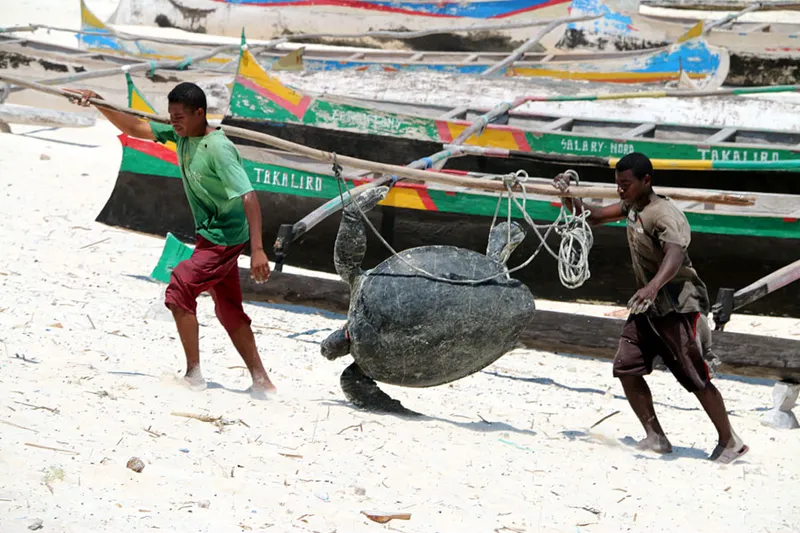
point(694, 59)
point(270, 19)
point(761, 53)
point(731, 245)
point(395, 132)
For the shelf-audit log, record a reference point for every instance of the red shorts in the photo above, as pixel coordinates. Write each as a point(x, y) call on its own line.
point(674, 338)
point(213, 268)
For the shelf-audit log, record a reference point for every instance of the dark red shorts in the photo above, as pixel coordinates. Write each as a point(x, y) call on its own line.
point(211, 268)
point(674, 338)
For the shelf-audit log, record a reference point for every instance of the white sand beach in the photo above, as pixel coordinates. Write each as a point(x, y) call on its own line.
point(89, 359)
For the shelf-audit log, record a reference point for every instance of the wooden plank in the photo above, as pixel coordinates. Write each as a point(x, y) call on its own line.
point(721, 5)
point(641, 130)
point(356, 56)
point(560, 124)
point(766, 285)
point(470, 58)
point(760, 27)
point(547, 58)
point(722, 135)
point(457, 113)
point(416, 57)
point(740, 354)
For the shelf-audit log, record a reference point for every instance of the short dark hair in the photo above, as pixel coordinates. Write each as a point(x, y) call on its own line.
point(188, 94)
point(639, 165)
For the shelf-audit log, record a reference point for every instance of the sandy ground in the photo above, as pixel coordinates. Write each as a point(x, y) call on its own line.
point(86, 367)
point(89, 358)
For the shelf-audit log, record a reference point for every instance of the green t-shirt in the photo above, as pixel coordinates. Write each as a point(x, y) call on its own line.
point(215, 181)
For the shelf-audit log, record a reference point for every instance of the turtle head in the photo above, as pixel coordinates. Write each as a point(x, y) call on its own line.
point(503, 240)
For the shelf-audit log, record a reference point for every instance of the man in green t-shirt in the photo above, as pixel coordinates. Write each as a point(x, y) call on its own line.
point(226, 215)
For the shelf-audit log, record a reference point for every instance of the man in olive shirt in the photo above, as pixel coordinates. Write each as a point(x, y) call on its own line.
point(666, 309)
point(226, 215)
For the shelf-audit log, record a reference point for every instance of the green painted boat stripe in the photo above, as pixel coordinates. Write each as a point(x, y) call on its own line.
point(285, 180)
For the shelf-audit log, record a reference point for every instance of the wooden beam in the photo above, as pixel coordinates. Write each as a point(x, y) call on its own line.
point(741, 354)
point(457, 113)
point(560, 124)
point(470, 58)
point(416, 57)
point(641, 130)
point(356, 56)
point(722, 135)
point(760, 27)
point(766, 285)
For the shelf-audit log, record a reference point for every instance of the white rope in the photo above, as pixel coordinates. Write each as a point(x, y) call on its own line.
point(573, 254)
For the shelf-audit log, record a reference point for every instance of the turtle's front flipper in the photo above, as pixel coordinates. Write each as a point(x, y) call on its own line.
point(351, 241)
point(364, 393)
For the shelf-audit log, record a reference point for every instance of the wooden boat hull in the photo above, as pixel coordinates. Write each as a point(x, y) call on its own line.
point(698, 60)
point(756, 57)
point(270, 19)
point(386, 132)
point(695, 59)
point(729, 250)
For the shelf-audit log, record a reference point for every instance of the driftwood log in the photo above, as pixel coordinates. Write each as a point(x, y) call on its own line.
point(741, 354)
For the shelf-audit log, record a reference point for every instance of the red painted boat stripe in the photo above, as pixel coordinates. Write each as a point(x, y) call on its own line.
point(522, 141)
point(427, 201)
point(150, 148)
point(297, 110)
point(444, 131)
point(789, 219)
point(390, 9)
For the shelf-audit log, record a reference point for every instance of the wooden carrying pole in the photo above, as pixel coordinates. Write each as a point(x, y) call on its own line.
point(422, 175)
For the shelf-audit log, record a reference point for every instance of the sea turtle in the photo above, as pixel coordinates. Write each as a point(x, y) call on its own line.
point(409, 329)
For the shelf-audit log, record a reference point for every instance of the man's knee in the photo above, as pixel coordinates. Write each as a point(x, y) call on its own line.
point(230, 314)
point(179, 296)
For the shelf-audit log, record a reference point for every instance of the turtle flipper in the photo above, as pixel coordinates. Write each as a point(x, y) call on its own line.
point(503, 240)
point(336, 345)
point(364, 393)
point(351, 241)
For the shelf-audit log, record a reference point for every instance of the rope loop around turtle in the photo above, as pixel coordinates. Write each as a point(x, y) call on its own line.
point(575, 232)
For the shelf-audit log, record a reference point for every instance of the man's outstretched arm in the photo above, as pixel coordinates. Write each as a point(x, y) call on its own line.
point(597, 214)
point(129, 125)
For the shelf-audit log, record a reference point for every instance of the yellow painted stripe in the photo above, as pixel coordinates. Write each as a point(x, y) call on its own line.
point(694, 31)
point(89, 20)
point(250, 69)
point(406, 198)
point(681, 164)
point(492, 138)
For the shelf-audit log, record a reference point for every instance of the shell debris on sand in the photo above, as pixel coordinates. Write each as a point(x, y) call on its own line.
point(135, 464)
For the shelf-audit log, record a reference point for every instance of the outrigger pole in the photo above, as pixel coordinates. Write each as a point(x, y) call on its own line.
point(728, 300)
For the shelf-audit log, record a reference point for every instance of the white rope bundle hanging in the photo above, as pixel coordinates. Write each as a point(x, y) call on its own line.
point(573, 253)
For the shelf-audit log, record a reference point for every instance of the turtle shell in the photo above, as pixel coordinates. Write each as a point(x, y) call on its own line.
point(410, 330)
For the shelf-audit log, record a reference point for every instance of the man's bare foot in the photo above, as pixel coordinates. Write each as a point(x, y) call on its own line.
point(262, 388)
point(727, 452)
point(655, 443)
point(194, 380)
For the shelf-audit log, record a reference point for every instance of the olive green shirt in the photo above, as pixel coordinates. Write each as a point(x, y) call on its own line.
point(658, 223)
point(214, 181)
